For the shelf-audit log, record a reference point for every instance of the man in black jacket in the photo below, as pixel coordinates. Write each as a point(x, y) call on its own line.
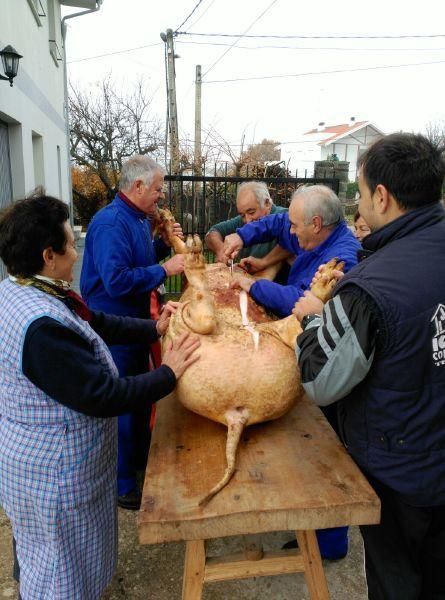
point(378, 348)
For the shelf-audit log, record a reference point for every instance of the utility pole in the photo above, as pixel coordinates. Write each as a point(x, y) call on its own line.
point(171, 100)
point(198, 157)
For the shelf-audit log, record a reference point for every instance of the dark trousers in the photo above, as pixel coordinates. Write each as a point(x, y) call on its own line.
point(333, 543)
point(405, 554)
point(134, 428)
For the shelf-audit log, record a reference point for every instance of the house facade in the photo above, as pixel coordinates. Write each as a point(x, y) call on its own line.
point(33, 125)
point(348, 141)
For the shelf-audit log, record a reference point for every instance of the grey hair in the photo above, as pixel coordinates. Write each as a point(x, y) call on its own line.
point(321, 201)
point(138, 167)
point(260, 190)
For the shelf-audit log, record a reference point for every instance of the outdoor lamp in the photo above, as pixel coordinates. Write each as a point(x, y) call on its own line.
point(10, 60)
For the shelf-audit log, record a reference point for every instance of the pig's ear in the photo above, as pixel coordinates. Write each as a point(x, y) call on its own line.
point(199, 315)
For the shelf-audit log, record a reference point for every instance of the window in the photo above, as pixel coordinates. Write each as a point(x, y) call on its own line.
point(55, 42)
point(37, 154)
point(59, 172)
point(37, 10)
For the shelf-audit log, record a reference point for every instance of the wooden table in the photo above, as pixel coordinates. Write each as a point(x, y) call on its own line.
point(292, 474)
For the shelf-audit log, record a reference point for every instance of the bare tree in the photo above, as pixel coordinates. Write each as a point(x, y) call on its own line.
point(265, 151)
point(108, 127)
point(243, 162)
point(435, 132)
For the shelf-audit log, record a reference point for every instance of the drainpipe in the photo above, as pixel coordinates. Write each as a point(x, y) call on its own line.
point(65, 84)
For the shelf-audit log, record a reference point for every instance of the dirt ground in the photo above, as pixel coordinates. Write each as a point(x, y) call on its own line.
point(155, 572)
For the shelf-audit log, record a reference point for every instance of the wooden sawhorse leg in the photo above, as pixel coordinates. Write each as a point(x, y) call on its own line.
point(313, 569)
point(198, 569)
point(194, 570)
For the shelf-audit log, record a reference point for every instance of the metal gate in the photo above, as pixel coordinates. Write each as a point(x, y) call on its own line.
point(5, 178)
point(198, 202)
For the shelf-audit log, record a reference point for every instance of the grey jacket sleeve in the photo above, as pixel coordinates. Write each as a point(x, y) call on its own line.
point(335, 353)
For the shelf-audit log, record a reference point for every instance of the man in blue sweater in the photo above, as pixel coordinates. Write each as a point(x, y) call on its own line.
point(314, 230)
point(120, 268)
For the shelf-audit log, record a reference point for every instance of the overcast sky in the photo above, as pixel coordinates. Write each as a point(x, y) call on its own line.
point(284, 101)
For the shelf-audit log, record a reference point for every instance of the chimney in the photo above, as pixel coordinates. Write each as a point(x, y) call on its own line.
point(320, 126)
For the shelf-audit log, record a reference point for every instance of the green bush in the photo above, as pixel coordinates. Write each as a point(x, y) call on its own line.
point(351, 190)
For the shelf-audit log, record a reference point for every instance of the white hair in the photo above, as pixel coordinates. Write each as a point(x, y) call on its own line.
point(321, 201)
point(138, 167)
point(259, 189)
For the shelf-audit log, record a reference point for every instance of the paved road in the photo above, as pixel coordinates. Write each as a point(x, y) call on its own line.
point(78, 264)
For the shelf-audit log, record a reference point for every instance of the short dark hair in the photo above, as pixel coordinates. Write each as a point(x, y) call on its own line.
point(410, 167)
point(357, 216)
point(29, 226)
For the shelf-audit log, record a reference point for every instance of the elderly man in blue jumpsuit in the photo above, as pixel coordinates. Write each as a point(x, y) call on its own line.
point(314, 230)
point(120, 269)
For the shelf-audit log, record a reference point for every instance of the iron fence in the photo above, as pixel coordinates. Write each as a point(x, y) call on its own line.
point(200, 201)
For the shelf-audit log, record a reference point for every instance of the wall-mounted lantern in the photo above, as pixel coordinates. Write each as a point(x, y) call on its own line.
point(10, 60)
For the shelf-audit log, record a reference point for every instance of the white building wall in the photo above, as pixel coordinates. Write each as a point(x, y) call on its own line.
point(34, 107)
point(344, 151)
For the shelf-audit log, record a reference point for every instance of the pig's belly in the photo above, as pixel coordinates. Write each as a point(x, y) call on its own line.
point(231, 374)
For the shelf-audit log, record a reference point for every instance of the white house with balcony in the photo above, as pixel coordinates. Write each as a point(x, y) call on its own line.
point(348, 141)
point(34, 148)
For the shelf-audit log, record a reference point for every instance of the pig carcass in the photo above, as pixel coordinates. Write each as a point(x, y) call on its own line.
point(247, 372)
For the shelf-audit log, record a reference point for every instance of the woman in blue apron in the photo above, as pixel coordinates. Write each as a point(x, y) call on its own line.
point(60, 394)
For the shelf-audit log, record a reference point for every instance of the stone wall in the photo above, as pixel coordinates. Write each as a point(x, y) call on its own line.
point(334, 168)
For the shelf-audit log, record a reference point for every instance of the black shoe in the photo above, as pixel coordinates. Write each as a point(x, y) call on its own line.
point(130, 501)
point(290, 545)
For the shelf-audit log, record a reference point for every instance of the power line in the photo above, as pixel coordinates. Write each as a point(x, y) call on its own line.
point(327, 72)
point(317, 37)
point(187, 18)
point(202, 14)
point(348, 48)
point(230, 145)
point(112, 53)
point(236, 41)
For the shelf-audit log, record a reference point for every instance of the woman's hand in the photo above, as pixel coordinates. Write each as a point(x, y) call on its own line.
point(181, 353)
point(167, 311)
